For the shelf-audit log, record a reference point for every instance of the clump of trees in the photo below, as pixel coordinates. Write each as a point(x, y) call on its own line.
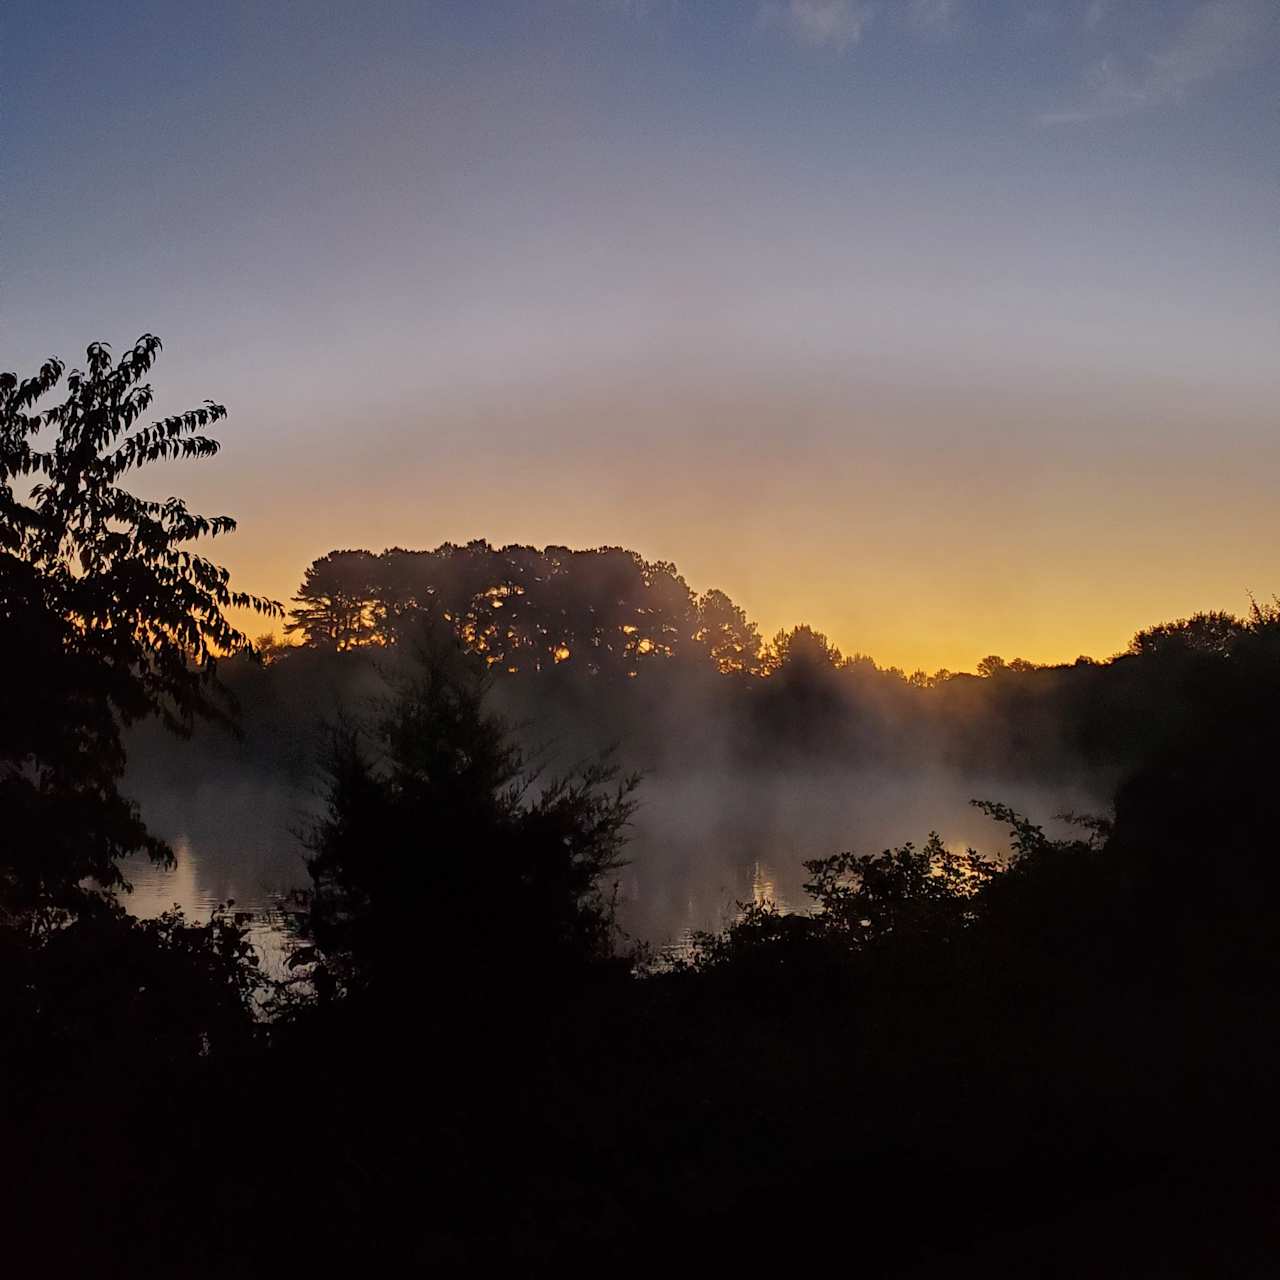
point(524, 609)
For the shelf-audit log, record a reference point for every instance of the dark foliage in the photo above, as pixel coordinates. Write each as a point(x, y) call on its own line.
point(106, 617)
point(444, 852)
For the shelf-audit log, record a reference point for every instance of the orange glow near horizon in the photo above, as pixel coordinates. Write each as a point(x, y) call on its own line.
point(819, 501)
point(906, 634)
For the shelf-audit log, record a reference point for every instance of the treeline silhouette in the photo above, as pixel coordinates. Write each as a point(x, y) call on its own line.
point(595, 661)
point(605, 610)
point(608, 609)
point(1056, 1063)
point(563, 631)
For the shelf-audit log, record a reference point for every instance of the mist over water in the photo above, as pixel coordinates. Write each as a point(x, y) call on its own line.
point(701, 842)
point(704, 843)
point(743, 780)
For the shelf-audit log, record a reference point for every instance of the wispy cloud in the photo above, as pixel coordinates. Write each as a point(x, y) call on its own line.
point(1216, 38)
point(835, 24)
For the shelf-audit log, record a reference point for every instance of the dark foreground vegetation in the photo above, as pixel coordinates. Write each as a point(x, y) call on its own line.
point(1060, 1063)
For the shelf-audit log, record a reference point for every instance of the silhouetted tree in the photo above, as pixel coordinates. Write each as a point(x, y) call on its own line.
point(335, 601)
point(724, 630)
point(802, 650)
point(444, 854)
point(106, 617)
point(668, 613)
point(1214, 632)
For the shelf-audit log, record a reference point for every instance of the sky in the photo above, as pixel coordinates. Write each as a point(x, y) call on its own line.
point(946, 326)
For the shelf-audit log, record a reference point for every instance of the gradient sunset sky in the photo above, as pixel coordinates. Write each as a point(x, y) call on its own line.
point(948, 326)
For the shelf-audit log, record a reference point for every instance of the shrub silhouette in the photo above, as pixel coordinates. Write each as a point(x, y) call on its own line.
point(445, 861)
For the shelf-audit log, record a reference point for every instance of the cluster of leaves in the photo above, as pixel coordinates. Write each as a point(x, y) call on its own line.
point(106, 616)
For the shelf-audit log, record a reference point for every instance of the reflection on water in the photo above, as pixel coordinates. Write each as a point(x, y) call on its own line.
point(700, 844)
point(234, 842)
point(764, 889)
point(157, 890)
